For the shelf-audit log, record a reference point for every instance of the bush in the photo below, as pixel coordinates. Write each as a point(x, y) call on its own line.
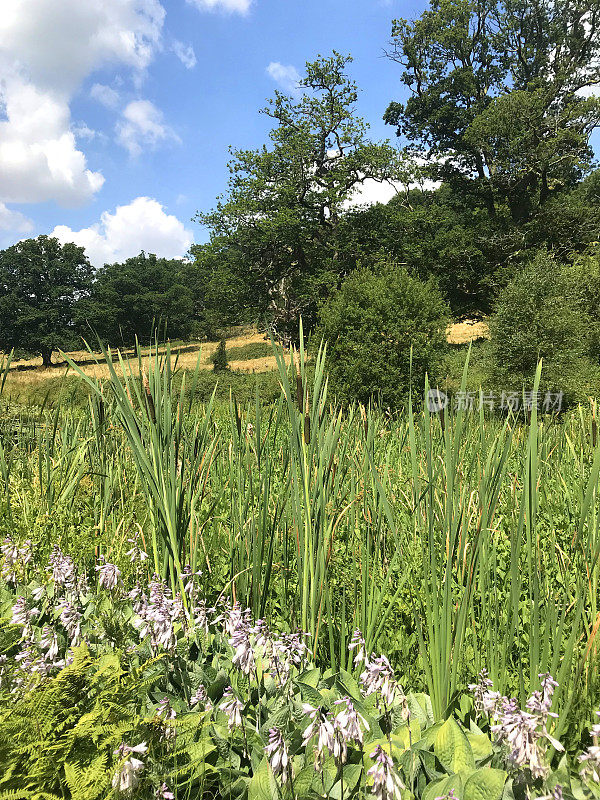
point(371, 324)
point(541, 314)
point(219, 357)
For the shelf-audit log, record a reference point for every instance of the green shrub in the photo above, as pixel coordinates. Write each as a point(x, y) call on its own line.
point(541, 314)
point(219, 357)
point(370, 326)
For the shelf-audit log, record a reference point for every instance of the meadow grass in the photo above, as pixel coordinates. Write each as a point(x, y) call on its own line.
point(452, 543)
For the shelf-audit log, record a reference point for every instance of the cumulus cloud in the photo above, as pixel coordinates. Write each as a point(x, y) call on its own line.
point(58, 44)
point(185, 53)
point(46, 51)
point(105, 95)
point(287, 77)
point(39, 158)
point(14, 221)
point(141, 225)
point(143, 126)
point(232, 6)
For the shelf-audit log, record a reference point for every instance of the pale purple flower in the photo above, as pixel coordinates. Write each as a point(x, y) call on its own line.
point(200, 697)
point(189, 581)
point(359, 643)
point(239, 625)
point(232, 708)
point(70, 619)
point(62, 568)
point(348, 721)
point(164, 793)
point(321, 725)
point(127, 777)
point(278, 754)
point(378, 676)
point(590, 758)
point(13, 557)
point(165, 710)
point(540, 703)
point(38, 593)
point(522, 730)
point(481, 690)
point(519, 730)
point(202, 614)
point(136, 554)
point(49, 642)
point(108, 575)
point(387, 784)
point(22, 615)
point(157, 615)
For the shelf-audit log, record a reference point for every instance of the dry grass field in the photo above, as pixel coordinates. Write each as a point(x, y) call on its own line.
point(186, 355)
point(29, 373)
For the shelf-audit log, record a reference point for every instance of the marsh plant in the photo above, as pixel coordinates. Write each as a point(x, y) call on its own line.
point(219, 583)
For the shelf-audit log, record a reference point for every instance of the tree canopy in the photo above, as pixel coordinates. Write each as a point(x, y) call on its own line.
point(130, 299)
point(499, 103)
point(281, 216)
point(41, 282)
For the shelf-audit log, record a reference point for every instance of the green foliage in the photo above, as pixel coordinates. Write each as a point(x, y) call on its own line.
point(40, 284)
point(496, 101)
point(219, 357)
point(385, 330)
point(278, 227)
point(61, 734)
point(130, 300)
point(547, 312)
point(247, 352)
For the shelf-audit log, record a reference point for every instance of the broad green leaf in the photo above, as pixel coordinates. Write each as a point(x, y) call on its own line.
point(485, 784)
point(310, 677)
point(262, 785)
point(442, 787)
point(309, 694)
point(351, 774)
point(480, 745)
point(452, 747)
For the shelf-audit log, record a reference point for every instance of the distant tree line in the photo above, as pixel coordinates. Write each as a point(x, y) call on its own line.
point(50, 297)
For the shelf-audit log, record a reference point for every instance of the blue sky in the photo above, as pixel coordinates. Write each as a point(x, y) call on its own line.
point(118, 114)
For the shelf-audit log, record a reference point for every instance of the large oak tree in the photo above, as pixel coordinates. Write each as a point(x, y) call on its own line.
point(500, 103)
point(280, 220)
point(41, 282)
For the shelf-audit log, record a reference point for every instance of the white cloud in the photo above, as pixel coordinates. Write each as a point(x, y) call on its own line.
point(39, 159)
point(46, 50)
point(287, 77)
point(143, 126)
point(185, 53)
point(141, 225)
point(105, 95)
point(83, 131)
point(56, 45)
point(14, 221)
point(371, 192)
point(239, 6)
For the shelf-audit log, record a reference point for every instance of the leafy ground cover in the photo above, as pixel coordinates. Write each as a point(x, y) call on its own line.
point(183, 582)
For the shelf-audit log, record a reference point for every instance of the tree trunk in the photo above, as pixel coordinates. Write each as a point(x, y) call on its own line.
point(46, 358)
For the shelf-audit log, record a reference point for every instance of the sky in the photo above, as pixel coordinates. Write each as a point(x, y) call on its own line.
point(116, 115)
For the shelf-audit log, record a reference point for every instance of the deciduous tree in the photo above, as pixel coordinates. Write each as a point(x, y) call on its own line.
point(41, 282)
